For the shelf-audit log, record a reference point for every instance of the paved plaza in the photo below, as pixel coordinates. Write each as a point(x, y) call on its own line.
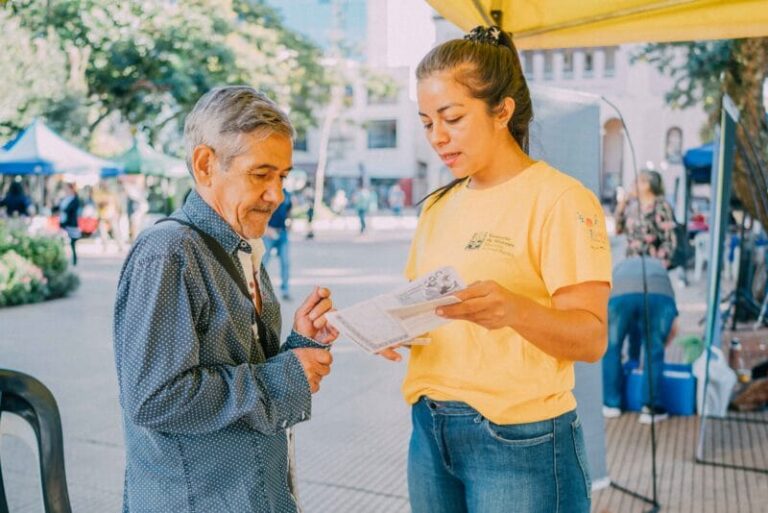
point(351, 455)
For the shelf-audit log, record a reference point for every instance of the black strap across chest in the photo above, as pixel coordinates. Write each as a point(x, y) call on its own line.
point(226, 261)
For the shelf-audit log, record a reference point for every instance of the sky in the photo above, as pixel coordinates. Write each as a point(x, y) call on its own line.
point(410, 30)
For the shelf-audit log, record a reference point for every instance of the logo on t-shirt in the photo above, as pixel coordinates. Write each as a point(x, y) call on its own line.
point(597, 234)
point(490, 242)
point(476, 242)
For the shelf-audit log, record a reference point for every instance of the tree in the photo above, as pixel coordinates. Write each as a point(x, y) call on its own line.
point(27, 86)
point(149, 61)
point(703, 73)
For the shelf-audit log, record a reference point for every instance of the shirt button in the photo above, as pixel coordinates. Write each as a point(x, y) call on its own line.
point(285, 424)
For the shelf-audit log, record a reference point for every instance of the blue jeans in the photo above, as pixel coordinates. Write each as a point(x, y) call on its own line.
point(281, 245)
point(460, 462)
point(361, 215)
point(625, 313)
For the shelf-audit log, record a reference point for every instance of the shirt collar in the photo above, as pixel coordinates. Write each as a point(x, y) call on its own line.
point(200, 213)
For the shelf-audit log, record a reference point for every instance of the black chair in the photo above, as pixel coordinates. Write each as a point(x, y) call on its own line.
point(28, 398)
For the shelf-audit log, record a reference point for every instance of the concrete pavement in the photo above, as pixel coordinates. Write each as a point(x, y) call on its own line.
point(351, 455)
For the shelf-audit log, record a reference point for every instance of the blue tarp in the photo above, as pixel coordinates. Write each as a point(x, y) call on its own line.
point(40, 151)
point(698, 163)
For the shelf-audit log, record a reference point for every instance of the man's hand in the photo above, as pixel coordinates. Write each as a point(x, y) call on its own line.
point(484, 302)
point(316, 364)
point(310, 320)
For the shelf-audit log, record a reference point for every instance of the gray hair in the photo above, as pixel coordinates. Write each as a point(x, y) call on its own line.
point(223, 114)
point(655, 181)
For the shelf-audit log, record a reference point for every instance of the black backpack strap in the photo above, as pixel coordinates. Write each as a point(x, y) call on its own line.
point(226, 261)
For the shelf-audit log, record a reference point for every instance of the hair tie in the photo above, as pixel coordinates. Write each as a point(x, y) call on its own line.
point(488, 35)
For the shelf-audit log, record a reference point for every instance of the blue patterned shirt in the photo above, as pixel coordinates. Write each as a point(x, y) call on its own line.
point(205, 403)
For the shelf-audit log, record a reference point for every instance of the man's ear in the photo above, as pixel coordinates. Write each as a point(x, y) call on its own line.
point(203, 162)
point(505, 112)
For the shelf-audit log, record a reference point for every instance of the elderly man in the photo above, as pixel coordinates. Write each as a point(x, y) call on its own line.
point(206, 388)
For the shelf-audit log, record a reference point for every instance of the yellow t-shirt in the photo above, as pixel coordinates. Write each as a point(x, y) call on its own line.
point(533, 234)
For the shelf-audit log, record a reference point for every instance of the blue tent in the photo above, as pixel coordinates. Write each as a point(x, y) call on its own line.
point(40, 151)
point(698, 163)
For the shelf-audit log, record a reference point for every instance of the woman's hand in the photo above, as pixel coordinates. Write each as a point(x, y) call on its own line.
point(391, 353)
point(485, 303)
point(310, 320)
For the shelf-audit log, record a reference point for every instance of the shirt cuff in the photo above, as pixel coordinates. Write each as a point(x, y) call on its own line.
point(288, 389)
point(299, 341)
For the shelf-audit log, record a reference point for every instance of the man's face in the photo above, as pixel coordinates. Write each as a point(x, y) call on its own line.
point(249, 190)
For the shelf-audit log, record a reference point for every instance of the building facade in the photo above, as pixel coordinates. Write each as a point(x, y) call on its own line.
point(660, 134)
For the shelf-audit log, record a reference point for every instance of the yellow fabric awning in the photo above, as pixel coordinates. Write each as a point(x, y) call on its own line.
point(577, 23)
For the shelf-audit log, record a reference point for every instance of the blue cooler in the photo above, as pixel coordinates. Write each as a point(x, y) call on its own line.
point(678, 388)
point(633, 387)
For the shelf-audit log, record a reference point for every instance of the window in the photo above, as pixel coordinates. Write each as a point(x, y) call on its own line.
point(567, 63)
point(589, 63)
point(300, 141)
point(528, 64)
point(548, 65)
point(349, 95)
point(341, 141)
point(673, 151)
point(382, 134)
point(610, 62)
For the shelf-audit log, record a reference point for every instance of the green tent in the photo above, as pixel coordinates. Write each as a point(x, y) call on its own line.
point(141, 158)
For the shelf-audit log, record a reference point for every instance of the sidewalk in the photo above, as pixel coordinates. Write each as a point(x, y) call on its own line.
point(352, 455)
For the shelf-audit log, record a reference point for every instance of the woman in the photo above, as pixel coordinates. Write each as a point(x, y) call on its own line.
point(653, 232)
point(494, 422)
point(69, 211)
point(650, 232)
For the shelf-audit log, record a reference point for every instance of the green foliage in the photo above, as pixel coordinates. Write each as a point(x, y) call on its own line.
point(381, 88)
point(32, 268)
point(20, 280)
point(696, 68)
point(28, 88)
point(150, 60)
point(701, 71)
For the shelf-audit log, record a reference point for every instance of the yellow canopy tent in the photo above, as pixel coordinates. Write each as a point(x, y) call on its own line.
point(579, 23)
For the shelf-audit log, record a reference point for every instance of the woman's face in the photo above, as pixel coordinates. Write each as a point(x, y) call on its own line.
point(458, 126)
point(643, 184)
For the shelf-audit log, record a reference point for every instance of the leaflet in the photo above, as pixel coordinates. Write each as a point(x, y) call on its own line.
point(400, 316)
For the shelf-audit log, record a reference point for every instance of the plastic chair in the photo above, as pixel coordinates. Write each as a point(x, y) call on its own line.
point(26, 397)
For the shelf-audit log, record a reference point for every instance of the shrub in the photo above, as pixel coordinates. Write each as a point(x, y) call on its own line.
point(21, 281)
point(46, 254)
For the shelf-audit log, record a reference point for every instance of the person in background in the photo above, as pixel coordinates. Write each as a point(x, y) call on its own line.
point(16, 202)
point(362, 202)
point(309, 196)
point(648, 221)
point(339, 201)
point(626, 310)
point(276, 237)
point(651, 231)
point(108, 209)
point(396, 199)
point(69, 214)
